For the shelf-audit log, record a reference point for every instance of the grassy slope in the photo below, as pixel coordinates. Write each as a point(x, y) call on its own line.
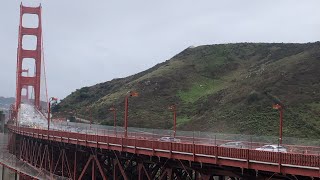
point(217, 88)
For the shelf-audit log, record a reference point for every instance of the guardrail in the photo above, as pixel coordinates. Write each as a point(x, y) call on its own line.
point(294, 145)
point(206, 153)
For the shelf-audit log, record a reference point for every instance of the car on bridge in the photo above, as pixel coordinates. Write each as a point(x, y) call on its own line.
point(272, 148)
point(169, 139)
point(237, 144)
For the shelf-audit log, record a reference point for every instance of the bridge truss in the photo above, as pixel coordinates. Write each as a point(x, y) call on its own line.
point(110, 156)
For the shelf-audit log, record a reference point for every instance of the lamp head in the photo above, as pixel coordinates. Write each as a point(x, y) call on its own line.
point(53, 99)
point(277, 106)
point(172, 107)
point(133, 93)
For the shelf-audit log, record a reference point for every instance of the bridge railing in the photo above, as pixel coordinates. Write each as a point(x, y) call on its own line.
point(294, 145)
point(27, 114)
point(185, 148)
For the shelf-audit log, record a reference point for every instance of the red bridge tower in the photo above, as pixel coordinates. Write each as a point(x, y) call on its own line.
point(24, 81)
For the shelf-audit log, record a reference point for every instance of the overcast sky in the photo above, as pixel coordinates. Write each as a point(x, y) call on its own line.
point(88, 42)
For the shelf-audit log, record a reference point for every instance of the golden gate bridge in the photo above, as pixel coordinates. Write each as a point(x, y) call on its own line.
point(38, 148)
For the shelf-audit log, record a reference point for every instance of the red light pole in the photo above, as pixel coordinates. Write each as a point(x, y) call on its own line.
point(280, 109)
point(90, 111)
point(52, 99)
point(114, 110)
point(174, 109)
point(126, 108)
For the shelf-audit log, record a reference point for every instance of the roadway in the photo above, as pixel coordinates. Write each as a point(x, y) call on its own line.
point(300, 160)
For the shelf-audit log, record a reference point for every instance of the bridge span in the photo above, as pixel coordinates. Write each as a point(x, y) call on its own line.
point(172, 158)
point(68, 150)
point(42, 149)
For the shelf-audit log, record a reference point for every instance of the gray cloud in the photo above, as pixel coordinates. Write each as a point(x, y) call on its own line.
point(87, 42)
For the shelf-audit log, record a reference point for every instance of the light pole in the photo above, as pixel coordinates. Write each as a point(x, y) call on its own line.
point(126, 108)
point(52, 99)
point(280, 109)
point(277, 104)
point(90, 111)
point(174, 109)
point(114, 110)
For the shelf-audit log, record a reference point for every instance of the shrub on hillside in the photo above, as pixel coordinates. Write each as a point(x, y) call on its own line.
point(253, 97)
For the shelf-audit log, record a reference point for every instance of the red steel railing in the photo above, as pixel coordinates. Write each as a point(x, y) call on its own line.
point(183, 148)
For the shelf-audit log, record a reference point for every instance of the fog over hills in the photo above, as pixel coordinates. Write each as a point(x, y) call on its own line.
point(5, 103)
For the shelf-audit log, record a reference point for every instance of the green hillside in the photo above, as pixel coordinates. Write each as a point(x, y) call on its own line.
point(218, 88)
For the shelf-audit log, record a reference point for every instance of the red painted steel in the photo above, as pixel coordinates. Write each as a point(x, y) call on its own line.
point(174, 109)
point(26, 88)
point(75, 166)
point(114, 110)
point(144, 172)
point(280, 109)
point(291, 163)
point(126, 110)
point(126, 107)
point(34, 81)
point(281, 125)
point(92, 159)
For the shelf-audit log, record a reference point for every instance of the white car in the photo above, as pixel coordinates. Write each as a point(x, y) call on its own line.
point(239, 145)
point(169, 139)
point(272, 148)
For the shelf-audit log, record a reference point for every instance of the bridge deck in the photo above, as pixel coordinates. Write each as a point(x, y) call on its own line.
point(286, 163)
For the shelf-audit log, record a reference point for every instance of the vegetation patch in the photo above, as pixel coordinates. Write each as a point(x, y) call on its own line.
point(200, 89)
point(182, 120)
point(220, 87)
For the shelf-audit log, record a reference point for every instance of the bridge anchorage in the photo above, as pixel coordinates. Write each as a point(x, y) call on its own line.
point(74, 151)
